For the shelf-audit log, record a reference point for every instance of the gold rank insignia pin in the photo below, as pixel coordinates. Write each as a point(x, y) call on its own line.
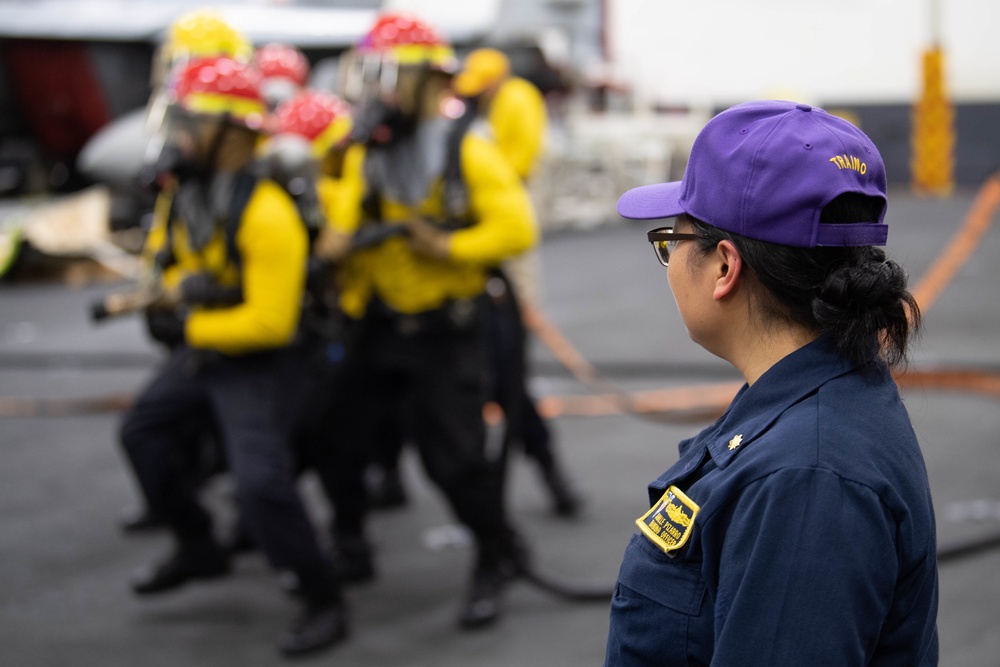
point(736, 441)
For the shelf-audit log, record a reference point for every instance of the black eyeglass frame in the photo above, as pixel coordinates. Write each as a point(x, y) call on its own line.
point(663, 238)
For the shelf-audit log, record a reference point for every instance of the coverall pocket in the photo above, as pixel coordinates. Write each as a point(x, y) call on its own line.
point(652, 609)
point(673, 583)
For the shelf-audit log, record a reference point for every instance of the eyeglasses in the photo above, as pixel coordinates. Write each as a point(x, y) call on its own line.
point(664, 239)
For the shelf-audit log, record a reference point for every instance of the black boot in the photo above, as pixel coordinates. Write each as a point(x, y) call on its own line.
point(515, 557)
point(385, 489)
point(140, 520)
point(498, 564)
point(194, 558)
point(316, 628)
point(240, 541)
point(322, 621)
point(352, 558)
point(566, 502)
point(484, 599)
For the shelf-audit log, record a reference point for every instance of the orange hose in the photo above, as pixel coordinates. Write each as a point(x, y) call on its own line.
point(696, 402)
point(957, 253)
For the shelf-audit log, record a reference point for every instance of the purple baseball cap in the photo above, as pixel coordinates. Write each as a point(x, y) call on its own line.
point(765, 170)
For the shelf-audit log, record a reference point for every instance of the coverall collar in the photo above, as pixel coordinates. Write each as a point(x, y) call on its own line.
point(756, 407)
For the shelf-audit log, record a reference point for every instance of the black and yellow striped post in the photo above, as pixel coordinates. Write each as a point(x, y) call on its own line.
point(932, 158)
point(933, 140)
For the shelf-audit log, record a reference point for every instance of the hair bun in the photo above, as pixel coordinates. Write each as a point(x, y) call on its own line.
point(871, 282)
point(869, 295)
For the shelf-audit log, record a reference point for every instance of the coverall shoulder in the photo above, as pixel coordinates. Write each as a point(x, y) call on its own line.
point(518, 119)
point(272, 247)
point(796, 530)
point(502, 224)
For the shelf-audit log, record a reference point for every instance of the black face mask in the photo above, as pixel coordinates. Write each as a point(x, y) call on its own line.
point(378, 124)
point(174, 162)
point(155, 175)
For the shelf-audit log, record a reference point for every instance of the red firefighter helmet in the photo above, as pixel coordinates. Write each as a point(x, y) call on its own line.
point(220, 86)
point(200, 33)
point(396, 40)
point(282, 61)
point(409, 41)
point(283, 70)
point(323, 119)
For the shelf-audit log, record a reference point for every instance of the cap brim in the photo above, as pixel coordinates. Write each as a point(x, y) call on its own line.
point(661, 200)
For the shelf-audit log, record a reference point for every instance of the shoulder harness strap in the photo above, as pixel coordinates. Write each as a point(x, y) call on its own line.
point(246, 182)
point(456, 194)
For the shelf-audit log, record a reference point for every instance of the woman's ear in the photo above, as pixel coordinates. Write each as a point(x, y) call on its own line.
point(730, 269)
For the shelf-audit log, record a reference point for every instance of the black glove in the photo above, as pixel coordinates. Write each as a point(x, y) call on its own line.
point(201, 289)
point(165, 326)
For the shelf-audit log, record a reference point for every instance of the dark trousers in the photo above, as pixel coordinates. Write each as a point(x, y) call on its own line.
point(432, 375)
point(252, 402)
point(508, 387)
point(507, 338)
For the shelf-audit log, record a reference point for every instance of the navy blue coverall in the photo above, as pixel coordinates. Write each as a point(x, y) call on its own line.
point(796, 530)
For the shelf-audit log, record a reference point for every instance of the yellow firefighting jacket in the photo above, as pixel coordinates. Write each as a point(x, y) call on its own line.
point(350, 278)
point(518, 119)
point(273, 247)
point(503, 225)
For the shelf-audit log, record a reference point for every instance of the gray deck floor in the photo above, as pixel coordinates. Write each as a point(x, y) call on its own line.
point(63, 580)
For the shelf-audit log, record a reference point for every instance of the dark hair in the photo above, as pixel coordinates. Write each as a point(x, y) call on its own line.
point(853, 295)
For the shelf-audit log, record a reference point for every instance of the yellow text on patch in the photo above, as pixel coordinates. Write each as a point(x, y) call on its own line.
point(669, 522)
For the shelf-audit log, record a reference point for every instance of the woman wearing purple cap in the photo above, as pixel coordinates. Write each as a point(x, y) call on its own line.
point(797, 529)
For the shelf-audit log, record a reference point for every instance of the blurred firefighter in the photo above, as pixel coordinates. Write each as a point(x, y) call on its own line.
point(199, 33)
point(232, 252)
point(513, 107)
point(516, 117)
point(419, 304)
point(284, 71)
point(305, 154)
point(302, 126)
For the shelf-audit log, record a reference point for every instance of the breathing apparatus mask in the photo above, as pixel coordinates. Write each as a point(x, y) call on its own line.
point(385, 76)
point(209, 99)
point(213, 102)
point(193, 143)
point(372, 85)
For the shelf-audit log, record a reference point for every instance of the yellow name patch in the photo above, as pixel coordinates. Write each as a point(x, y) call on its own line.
point(668, 523)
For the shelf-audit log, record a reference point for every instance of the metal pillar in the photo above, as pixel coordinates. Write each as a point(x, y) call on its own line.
point(932, 160)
